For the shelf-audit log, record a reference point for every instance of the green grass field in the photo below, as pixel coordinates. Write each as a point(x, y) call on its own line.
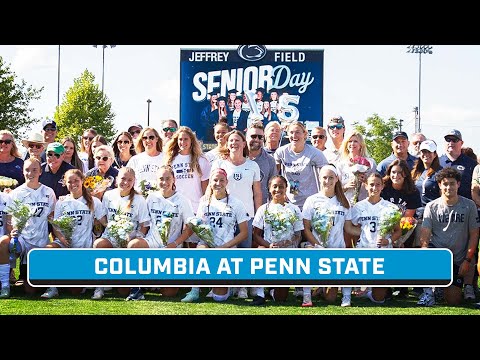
point(155, 304)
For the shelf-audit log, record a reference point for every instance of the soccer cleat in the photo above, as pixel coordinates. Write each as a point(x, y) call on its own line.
point(135, 294)
point(426, 300)
point(468, 293)
point(51, 292)
point(191, 297)
point(346, 301)
point(257, 301)
point(242, 293)
point(98, 294)
point(5, 292)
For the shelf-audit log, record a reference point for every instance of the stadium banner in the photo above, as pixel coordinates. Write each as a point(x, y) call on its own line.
point(288, 82)
point(240, 267)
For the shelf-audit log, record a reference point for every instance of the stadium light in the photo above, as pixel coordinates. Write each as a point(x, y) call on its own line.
point(148, 112)
point(103, 61)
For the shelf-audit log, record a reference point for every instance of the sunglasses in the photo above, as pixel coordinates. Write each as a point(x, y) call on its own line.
point(104, 158)
point(50, 129)
point(88, 138)
point(338, 126)
point(416, 142)
point(259, 137)
point(151, 137)
point(315, 137)
point(7, 142)
point(135, 132)
point(123, 142)
point(38, 146)
point(452, 139)
point(50, 154)
point(172, 129)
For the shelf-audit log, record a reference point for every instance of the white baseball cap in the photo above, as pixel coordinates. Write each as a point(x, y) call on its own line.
point(429, 145)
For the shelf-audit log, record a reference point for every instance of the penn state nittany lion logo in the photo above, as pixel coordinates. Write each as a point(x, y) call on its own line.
point(252, 52)
point(237, 176)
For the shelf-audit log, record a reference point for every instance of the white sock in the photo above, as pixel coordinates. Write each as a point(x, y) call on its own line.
point(428, 291)
point(307, 290)
point(5, 275)
point(195, 290)
point(347, 291)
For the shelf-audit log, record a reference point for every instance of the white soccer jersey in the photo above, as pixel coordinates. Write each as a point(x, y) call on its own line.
point(145, 167)
point(188, 181)
point(42, 202)
point(223, 215)
point(340, 213)
point(138, 212)
point(4, 204)
point(259, 220)
point(77, 208)
point(367, 215)
point(178, 205)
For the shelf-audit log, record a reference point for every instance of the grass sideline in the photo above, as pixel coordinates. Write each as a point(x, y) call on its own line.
point(155, 304)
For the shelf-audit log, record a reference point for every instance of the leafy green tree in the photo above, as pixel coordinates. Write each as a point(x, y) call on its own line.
point(84, 106)
point(15, 102)
point(378, 135)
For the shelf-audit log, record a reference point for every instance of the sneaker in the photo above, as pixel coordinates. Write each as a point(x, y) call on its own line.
point(135, 294)
point(51, 292)
point(210, 294)
point(257, 301)
point(439, 294)
point(468, 293)
point(426, 300)
point(191, 297)
point(307, 300)
point(98, 294)
point(5, 293)
point(298, 292)
point(370, 297)
point(242, 293)
point(346, 301)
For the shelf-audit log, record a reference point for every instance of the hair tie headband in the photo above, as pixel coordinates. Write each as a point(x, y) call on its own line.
point(331, 168)
point(219, 170)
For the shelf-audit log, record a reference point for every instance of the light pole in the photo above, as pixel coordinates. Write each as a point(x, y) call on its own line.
point(419, 49)
point(148, 112)
point(103, 61)
point(58, 90)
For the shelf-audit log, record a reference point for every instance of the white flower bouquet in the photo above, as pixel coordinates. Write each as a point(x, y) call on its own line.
point(120, 228)
point(163, 227)
point(65, 224)
point(322, 222)
point(20, 214)
point(281, 220)
point(389, 218)
point(203, 230)
point(7, 183)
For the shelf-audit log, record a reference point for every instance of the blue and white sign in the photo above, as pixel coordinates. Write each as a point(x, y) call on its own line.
point(289, 84)
point(240, 267)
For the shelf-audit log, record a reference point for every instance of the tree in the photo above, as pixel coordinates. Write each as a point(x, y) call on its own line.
point(378, 135)
point(15, 101)
point(84, 106)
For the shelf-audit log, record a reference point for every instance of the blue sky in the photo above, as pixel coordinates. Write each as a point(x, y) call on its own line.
point(359, 80)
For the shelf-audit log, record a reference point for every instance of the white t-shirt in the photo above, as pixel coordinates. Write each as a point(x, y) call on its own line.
point(367, 215)
point(188, 181)
point(77, 208)
point(178, 205)
point(346, 174)
point(223, 215)
point(42, 202)
point(240, 180)
point(145, 167)
point(138, 212)
point(341, 214)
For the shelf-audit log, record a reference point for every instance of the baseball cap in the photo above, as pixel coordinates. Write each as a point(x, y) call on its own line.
point(56, 147)
point(399, 133)
point(48, 122)
point(429, 145)
point(337, 120)
point(455, 133)
point(135, 126)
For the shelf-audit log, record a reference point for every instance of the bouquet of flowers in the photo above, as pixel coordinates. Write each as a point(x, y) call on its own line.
point(408, 225)
point(146, 188)
point(203, 230)
point(96, 183)
point(163, 227)
point(389, 218)
point(358, 165)
point(322, 222)
point(65, 224)
point(281, 219)
point(7, 183)
point(20, 213)
point(120, 228)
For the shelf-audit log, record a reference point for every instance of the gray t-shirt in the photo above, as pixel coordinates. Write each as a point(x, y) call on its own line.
point(268, 168)
point(451, 225)
point(300, 170)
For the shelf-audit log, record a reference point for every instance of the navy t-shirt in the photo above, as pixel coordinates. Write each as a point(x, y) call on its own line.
point(464, 165)
point(14, 170)
point(402, 200)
